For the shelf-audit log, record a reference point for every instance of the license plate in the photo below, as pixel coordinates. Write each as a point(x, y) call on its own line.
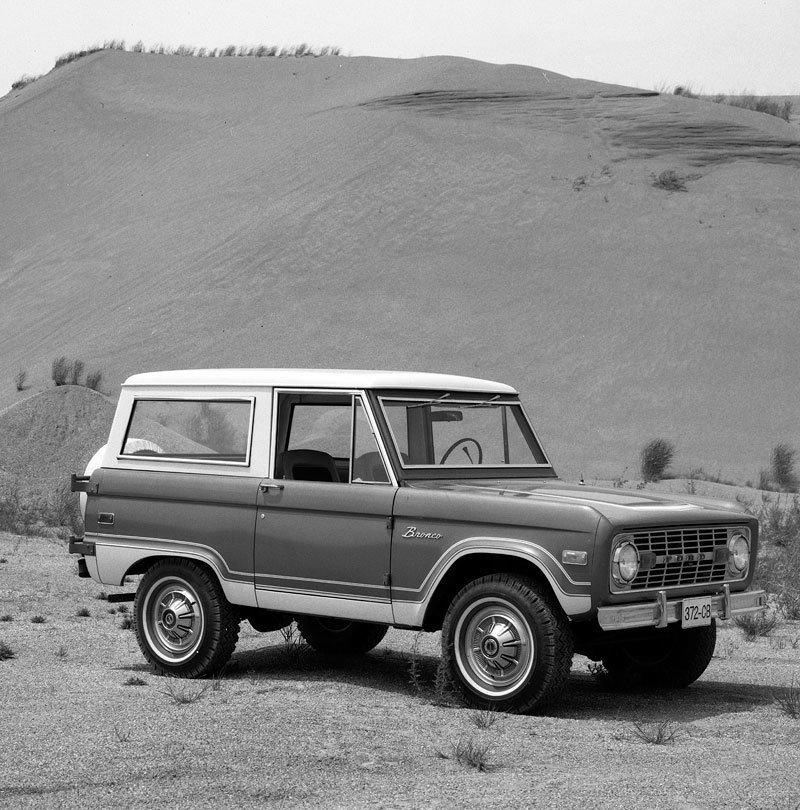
point(696, 612)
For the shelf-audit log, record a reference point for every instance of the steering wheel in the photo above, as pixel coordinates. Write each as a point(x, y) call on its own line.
point(465, 440)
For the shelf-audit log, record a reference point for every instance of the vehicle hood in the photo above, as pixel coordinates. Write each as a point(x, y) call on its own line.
point(617, 505)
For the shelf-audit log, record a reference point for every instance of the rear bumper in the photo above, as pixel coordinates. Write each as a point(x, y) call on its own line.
point(78, 545)
point(662, 612)
point(86, 550)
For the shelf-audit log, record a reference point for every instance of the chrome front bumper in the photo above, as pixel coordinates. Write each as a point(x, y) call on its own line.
point(663, 612)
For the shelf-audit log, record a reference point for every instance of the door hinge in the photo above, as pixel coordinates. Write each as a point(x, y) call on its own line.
point(390, 524)
point(387, 579)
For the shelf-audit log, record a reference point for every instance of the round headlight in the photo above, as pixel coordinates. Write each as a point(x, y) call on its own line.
point(738, 553)
point(625, 565)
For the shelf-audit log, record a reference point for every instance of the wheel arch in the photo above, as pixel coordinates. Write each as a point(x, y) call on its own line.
point(234, 591)
point(478, 564)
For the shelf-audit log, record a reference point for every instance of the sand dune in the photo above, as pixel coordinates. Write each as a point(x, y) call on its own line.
point(433, 214)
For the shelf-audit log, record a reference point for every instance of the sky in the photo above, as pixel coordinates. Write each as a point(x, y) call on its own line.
point(714, 46)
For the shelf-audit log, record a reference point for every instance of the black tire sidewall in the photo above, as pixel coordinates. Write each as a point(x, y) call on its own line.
point(682, 659)
point(352, 638)
point(218, 617)
point(552, 648)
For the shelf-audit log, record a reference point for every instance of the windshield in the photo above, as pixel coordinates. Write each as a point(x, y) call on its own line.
point(452, 433)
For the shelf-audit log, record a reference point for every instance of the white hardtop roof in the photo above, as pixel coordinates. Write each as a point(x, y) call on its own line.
point(316, 378)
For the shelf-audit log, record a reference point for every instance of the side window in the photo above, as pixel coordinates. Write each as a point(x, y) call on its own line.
point(327, 437)
point(190, 430)
point(368, 466)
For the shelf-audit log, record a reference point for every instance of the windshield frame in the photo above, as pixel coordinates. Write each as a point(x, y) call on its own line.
point(444, 398)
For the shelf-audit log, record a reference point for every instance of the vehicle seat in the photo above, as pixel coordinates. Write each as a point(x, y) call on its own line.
point(369, 467)
point(308, 465)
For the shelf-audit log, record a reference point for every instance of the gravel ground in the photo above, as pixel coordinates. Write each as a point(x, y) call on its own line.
point(288, 728)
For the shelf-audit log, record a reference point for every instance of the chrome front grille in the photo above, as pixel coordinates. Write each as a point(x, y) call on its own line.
point(677, 556)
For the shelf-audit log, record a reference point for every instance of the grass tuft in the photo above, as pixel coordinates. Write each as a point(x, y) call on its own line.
point(663, 732)
point(484, 718)
point(134, 680)
point(6, 617)
point(669, 180)
point(83, 612)
point(295, 648)
point(38, 619)
point(184, 694)
point(6, 652)
point(789, 701)
point(470, 754)
point(756, 625)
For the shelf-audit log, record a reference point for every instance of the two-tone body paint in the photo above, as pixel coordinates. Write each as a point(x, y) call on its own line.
point(369, 552)
point(324, 548)
point(438, 524)
point(162, 514)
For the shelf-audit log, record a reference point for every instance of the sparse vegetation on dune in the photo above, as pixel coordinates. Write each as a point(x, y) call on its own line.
point(256, 51)
point(780, 108)
point(70, 372)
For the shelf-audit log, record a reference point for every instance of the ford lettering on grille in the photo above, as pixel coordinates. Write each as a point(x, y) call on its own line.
point(680, 556)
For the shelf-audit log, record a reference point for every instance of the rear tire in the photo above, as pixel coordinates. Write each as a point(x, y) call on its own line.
point(505, 645)
point(340, 636)
point(184, 624)
point(672, 659)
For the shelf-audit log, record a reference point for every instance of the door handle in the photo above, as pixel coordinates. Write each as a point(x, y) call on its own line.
point(105, 518)
point(268, 487)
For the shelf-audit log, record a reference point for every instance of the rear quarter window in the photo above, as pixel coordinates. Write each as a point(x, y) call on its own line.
point(208, 430)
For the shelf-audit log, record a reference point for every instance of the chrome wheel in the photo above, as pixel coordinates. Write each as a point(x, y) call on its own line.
point(494, 647)
point(174, 621)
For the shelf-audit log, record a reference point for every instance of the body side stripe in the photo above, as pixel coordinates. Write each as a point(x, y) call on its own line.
point(493, 545)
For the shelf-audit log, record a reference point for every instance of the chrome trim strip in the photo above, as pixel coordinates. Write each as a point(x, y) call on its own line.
point(327, 605)
point(114, 560)
point(411, 614)
point(150, 544)
point(323, 594)
point(489, 544)
point(213, 557)
point(260, 577)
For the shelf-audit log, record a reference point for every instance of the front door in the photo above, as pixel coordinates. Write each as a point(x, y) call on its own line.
point(323, 528)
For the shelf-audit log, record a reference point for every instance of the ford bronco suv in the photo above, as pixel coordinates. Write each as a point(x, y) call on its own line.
point(355, 501)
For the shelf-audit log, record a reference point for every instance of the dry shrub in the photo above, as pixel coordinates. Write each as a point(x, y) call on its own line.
point(654, 459)
point(669, 180)
point(782, 467)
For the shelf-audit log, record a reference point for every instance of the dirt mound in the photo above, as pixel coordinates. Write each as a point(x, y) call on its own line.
point(48, 436)
point(434, 214)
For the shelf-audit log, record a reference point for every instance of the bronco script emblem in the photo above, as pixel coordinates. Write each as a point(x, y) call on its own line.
point(411, 531)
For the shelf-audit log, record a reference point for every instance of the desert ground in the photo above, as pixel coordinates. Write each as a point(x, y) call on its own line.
point(86, 724)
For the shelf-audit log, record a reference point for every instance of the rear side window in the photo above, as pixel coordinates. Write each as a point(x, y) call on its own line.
point(191, 430)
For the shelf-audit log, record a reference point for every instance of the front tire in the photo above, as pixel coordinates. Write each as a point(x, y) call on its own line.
point(340, 636)
point(672, 659)
point(184, 624)
point(505, 645)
